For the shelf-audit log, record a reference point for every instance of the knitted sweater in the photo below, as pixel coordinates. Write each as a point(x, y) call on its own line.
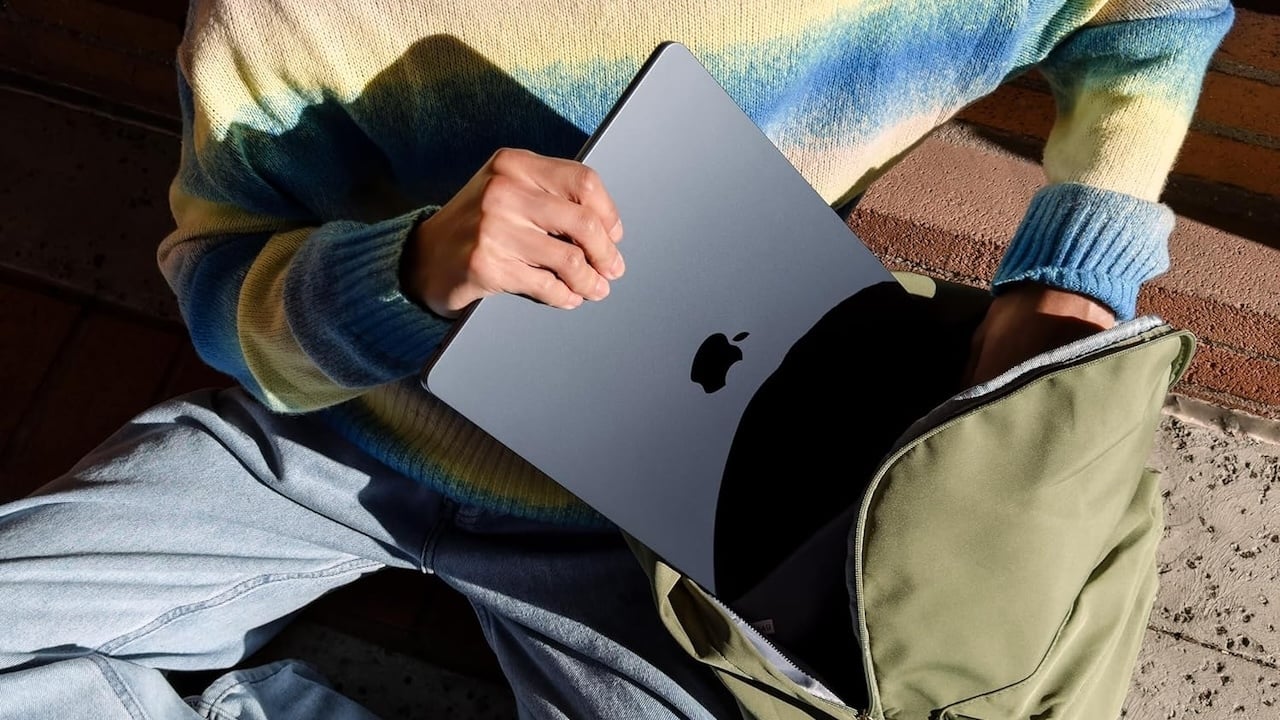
point(317, 135)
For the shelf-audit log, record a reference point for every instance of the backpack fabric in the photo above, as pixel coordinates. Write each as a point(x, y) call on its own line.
point(998, 558)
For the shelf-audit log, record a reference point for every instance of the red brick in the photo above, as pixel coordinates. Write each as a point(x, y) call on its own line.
point(1254, 40)
point(1211, 321)
point(33, 327)
point(1236, 374)
point(168, 11)
point(904, 245)
point(1225, 400)
point(1229, 161)
point(52, 54)
point(1015, 109)
point(111, 371)
point(105, 21)
point(1228, 101)
point(1240, 103)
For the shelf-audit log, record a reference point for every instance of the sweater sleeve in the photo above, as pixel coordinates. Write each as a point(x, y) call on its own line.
point(278, 288)
point(1125, 85)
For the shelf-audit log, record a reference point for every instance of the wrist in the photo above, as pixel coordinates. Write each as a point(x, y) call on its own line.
point(1043, 299)
point(414, 264)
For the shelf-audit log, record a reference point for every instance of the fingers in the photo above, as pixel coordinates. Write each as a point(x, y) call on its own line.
point(581, 184)
point(548, 231)
point(551, 271)
point(568, 179)
point(559, 217)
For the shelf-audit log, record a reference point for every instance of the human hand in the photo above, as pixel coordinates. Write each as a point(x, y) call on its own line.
point(1029, 319)
point(525, 224)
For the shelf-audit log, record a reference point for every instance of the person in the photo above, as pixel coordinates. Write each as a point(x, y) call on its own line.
point(354, 175)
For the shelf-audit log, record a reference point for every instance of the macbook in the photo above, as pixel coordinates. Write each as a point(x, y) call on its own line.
point(634, 403)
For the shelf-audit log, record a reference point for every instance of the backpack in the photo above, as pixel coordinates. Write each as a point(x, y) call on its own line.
point(999, 554)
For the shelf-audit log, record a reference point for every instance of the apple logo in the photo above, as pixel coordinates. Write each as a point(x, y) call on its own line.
point(712, 361)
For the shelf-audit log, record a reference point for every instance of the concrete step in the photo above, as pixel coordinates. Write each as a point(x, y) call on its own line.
point(950, 208)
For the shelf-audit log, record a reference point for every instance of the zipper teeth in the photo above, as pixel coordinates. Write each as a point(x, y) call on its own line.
point(751, 630)
point(1097, 357)
point(760, 636)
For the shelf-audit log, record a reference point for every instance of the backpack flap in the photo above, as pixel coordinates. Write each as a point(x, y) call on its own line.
point(1003, 560)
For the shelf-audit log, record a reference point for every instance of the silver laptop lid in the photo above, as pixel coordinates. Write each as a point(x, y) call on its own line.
point(632, 403)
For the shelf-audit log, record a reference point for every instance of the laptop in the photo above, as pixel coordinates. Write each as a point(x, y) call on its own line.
point(633, 403)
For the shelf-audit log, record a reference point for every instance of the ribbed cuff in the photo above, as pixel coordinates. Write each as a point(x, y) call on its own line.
point(1085, 239)
point(345, 307)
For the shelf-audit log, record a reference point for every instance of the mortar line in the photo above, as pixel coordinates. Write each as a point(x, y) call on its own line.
point(1227, 66)
point(1251, 354)
point(92, 39)
point(1240, 135)
point(1177, 635)
point(84, 101)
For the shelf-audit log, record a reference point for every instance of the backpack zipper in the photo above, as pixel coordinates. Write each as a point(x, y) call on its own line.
point(758, 638)
point(911, 438)
point(969, 403)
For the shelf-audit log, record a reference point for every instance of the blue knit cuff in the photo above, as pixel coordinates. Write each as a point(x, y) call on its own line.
point(345, 307)
point(1085, 239)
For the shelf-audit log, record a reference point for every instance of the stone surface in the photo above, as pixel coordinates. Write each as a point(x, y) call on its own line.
point(33, 327)
point(391, 684)
point(1178, 679)
point(83, 202)
point(1220, 558)
point(111, 368)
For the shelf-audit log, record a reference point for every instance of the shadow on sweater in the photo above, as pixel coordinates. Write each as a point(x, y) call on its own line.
point(355, 161)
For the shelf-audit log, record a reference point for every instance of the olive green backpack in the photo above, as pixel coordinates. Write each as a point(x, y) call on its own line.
point(998, 546)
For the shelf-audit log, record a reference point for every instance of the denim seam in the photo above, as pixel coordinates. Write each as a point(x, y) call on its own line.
point(486, 621)
point(426, 557)
point(210, 707)
point(228, 596)
point(118, 686)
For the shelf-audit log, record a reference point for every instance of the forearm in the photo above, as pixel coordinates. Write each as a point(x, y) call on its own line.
point(304, 317)
point(1125, 86)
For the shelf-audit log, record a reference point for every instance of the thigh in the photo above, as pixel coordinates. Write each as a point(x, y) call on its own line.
point(570, 615)
point(183, 540)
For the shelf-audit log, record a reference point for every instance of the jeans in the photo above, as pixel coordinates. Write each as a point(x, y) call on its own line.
point(191, 536)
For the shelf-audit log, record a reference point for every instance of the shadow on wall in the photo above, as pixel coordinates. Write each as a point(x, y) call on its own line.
point(1226, 173)
point(1250, 215)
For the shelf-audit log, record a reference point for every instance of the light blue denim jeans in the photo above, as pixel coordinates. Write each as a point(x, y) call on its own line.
point(191, 536)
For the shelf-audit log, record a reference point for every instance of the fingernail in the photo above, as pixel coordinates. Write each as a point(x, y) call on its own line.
point(616, 232)
point(618, 267)
point(602, 288)
point(574, 302)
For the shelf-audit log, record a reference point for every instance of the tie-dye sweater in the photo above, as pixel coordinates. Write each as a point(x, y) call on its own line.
point(317, 135)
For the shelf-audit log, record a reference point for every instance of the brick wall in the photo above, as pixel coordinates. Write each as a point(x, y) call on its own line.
point(115, 57)
point(1228, 172)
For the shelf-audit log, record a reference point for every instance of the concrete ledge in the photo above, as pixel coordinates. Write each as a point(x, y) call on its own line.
point(950, 208)
point(1204, 414)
